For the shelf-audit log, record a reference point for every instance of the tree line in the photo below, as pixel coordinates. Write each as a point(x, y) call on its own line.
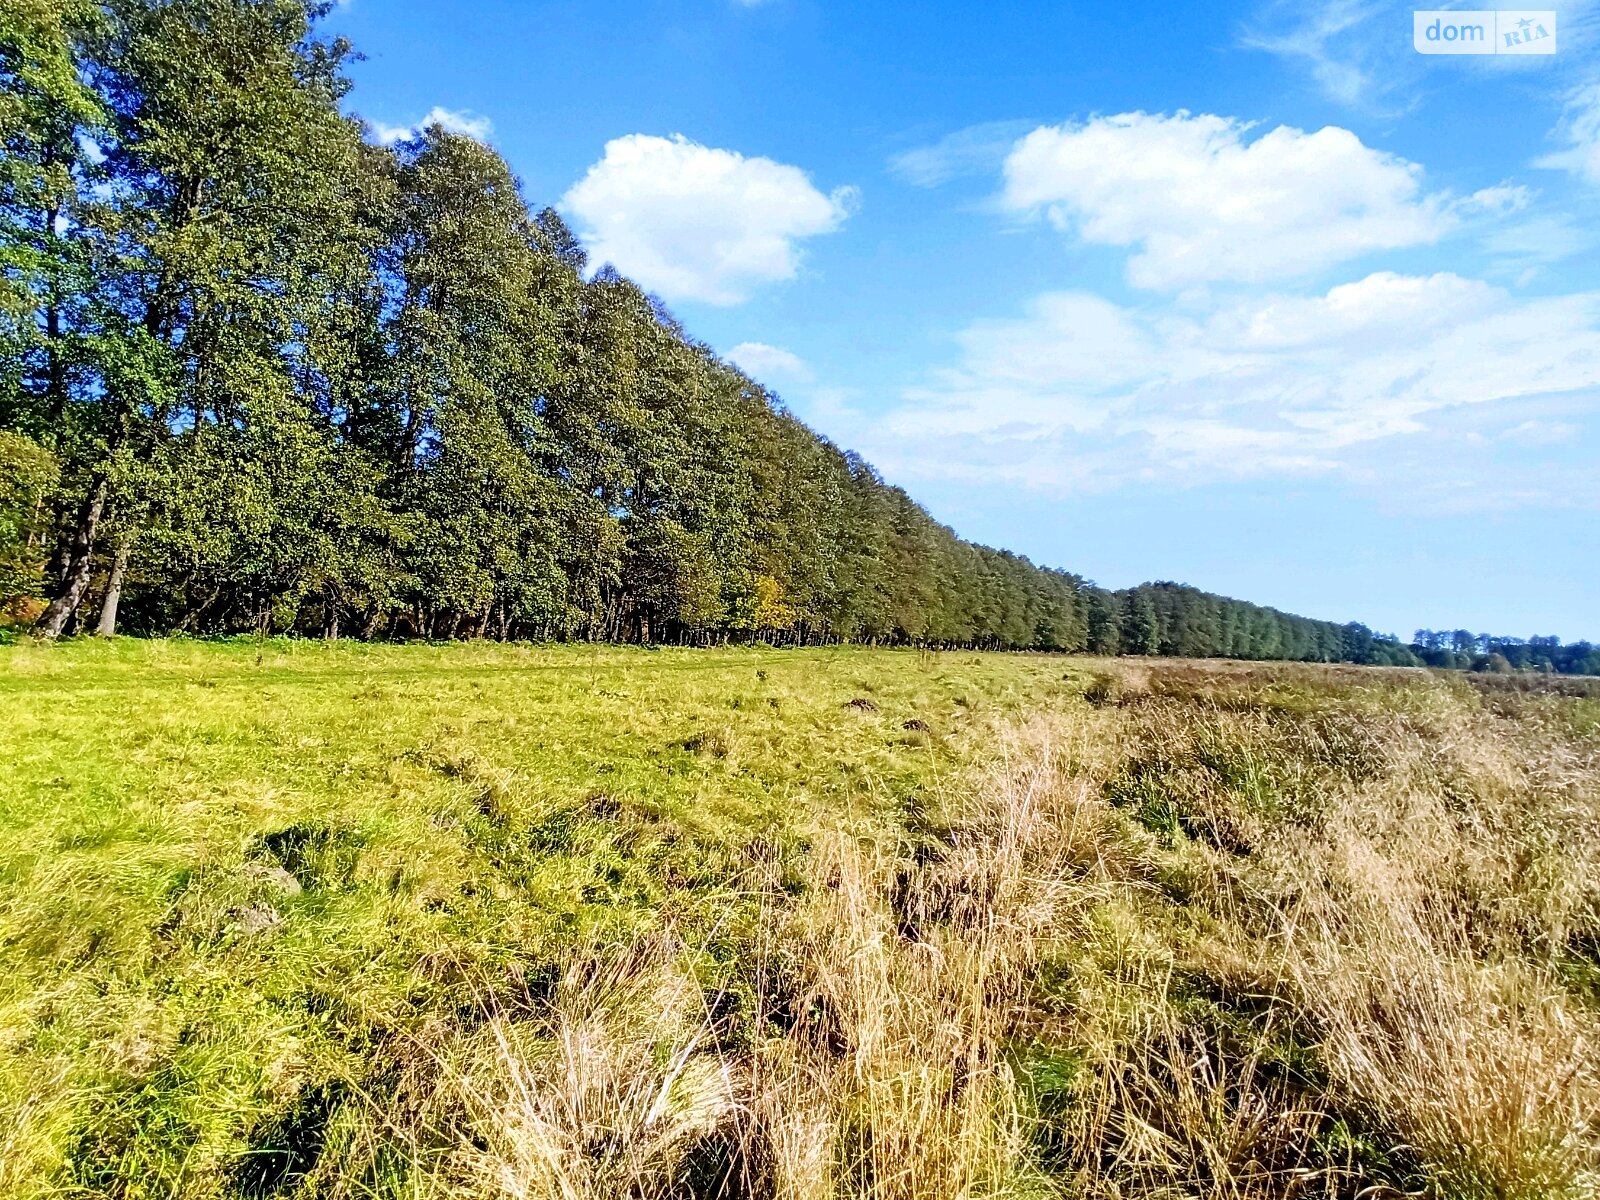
point(261, 373)
point(1462, 650)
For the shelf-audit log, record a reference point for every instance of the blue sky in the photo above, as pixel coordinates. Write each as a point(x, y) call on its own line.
point(1253, 297)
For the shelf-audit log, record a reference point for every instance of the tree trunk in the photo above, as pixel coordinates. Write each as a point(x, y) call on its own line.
point(119, 570)
point(80, 559)
point(191, 619)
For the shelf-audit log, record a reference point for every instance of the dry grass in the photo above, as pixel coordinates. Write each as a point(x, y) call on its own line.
point(858, 1046)
point(1226, 932)
point(1213, 935)
point(1411, 878)
point(605, 1093)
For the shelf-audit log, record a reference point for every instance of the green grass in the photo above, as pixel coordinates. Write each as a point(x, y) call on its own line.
point(232, 873)
point(315, 922)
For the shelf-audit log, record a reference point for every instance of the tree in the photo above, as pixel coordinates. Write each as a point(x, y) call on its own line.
point(1141, 631)
point(1105, 622)
point(27, 476)
point(222, 222)
point(261, 373)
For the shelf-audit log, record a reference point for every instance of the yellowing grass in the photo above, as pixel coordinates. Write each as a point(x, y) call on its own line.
point(566, 924)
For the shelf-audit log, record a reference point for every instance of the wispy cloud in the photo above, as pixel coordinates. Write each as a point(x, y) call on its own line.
point(975, 150)
point(763, 362)
point(1580, 130)
point(1521, 249)
point(1360, 52)
point(1079, 393)
point(1331, 38)
point(1542, 433)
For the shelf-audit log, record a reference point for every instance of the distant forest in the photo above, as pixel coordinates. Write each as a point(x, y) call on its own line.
point(260, 373)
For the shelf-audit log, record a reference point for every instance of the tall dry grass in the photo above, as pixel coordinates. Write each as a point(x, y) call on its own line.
point(904, 972)
point(862, 1045)
point(1225, 934)
point(1416, 873)
point(606, 1092)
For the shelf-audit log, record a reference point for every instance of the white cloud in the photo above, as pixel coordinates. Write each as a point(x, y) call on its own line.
point(1080, 392)
point(464, 123)
point(1542, 433)
point(1332, 38)
point(1537, 242)
point(976, 150)
point(696, 223)
point(1199, 201)
point(1501, 200)
point(761, 362)
point(1580, 129)
point(1360, 54)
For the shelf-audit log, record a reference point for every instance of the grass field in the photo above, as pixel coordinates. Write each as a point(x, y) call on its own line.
point(305, 920)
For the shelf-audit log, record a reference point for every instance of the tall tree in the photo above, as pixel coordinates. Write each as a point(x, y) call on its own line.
point(260, 372)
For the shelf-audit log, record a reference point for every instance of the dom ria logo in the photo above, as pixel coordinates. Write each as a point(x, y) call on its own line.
point(1455, 31)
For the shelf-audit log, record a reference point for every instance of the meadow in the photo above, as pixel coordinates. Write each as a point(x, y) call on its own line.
point(285, 918)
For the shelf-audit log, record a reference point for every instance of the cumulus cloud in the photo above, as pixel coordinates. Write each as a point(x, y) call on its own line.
point(1200, 200)
point(697, 223)
point(1080, 392)
point(761, 361)
point(464, 123)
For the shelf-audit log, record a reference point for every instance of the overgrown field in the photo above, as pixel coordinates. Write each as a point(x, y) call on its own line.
point(304, 920)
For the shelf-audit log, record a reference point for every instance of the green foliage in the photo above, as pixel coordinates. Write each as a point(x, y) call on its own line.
point(27, 475)
point(1461, 650)
point(1172, 619)
point(44, 106)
